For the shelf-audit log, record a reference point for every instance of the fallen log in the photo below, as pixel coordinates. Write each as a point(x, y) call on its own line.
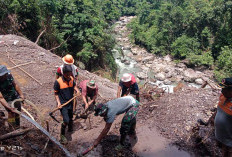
point(15, 133)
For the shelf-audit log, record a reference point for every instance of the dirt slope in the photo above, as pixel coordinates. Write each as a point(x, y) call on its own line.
point(175, 115)
point(43, 68)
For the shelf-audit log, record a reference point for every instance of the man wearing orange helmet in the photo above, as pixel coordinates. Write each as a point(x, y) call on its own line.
point(68, 60)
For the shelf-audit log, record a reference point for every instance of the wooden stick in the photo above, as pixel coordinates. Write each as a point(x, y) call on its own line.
point(47, 125)
point(208, 83)
point(64, 104)
point(37, 40)
point(46, 144)
point(27, 73)
point(15, 133)
point(19, 65)
point(60, 44)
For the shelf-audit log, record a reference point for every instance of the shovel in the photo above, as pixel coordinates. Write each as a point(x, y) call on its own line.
point(51, 113)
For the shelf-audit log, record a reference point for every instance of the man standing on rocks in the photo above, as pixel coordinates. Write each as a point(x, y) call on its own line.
point(64, 88)
point(109, 111)
point(9, 91)
point(89, 89)
point(128, 85)
point(68, 60)
point(223, 119)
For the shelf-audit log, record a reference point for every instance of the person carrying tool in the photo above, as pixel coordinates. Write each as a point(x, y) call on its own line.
point(89, 89)
point(128, 85)
point(64, 88)
point(68, 60)
point(9, 91)
point(109, 110)
point(223, 119)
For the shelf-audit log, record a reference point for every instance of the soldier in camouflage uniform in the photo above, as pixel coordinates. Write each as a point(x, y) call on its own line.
point(110, 110)
point(9, 91)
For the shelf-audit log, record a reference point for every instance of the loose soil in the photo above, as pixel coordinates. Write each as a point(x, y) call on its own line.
point(173, 115)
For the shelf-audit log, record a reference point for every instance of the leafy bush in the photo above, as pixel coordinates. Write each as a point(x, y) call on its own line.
point(224, 63)
point(204, 59)
point(184, 46)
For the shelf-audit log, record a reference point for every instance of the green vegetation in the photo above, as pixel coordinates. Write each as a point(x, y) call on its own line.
point(195, 30)
point(79, 27)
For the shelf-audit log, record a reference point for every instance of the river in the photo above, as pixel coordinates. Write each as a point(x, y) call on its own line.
point(150, 142)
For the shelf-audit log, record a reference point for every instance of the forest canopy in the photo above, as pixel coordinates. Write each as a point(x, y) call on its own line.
point(198, 31)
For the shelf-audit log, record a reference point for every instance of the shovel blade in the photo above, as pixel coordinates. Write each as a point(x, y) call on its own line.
point(51, 115)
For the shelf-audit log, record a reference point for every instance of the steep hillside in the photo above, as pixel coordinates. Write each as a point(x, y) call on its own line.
point(18, 50)
point(174, 115)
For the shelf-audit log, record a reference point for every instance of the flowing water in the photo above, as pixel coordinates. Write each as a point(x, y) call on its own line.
point(47, 134)
point(130, 66)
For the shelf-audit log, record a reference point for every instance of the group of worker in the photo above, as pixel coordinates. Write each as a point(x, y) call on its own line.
point(67, 86)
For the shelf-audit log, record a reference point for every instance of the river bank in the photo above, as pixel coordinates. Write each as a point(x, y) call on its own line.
point(161, 71)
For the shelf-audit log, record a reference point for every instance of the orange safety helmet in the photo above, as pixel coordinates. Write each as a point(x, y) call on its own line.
point(68, 59)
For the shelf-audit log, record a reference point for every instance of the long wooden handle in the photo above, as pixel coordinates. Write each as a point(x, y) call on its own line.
point(64, 104)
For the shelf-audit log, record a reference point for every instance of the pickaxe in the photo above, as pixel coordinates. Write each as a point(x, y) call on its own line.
point(51, 113)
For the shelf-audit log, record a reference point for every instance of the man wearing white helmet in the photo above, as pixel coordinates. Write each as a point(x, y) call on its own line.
point(128, 85)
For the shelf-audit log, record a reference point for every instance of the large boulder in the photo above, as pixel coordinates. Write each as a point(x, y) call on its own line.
point(147, 59)
point(167, 58)
point(160, 76)
point(142, 75)
point(181, 65)
point(167, 82)
point(189, 75)
point(199, 81)
point(138, 58)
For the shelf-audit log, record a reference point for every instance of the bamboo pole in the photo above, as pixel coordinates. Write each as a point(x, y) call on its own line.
point(19, 65)
point(27, 73)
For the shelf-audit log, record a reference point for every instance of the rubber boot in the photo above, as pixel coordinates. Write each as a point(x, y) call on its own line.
point(120, 146)
point(63, 139)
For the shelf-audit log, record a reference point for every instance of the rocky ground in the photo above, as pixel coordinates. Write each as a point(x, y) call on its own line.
point(174, 115)
point(163, 68)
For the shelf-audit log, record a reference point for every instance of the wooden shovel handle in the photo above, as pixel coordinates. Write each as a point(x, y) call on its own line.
point(64, 104)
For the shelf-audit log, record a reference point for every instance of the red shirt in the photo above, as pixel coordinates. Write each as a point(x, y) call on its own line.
point(87, 91)
point(128, 84)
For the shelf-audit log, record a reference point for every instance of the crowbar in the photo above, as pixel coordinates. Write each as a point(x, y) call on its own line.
point(51, 113)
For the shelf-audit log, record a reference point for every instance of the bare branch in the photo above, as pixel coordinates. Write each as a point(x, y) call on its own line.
point(60, 44)
point(37, 40)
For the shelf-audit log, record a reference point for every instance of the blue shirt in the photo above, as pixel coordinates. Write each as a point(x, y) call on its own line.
point(118, 106)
